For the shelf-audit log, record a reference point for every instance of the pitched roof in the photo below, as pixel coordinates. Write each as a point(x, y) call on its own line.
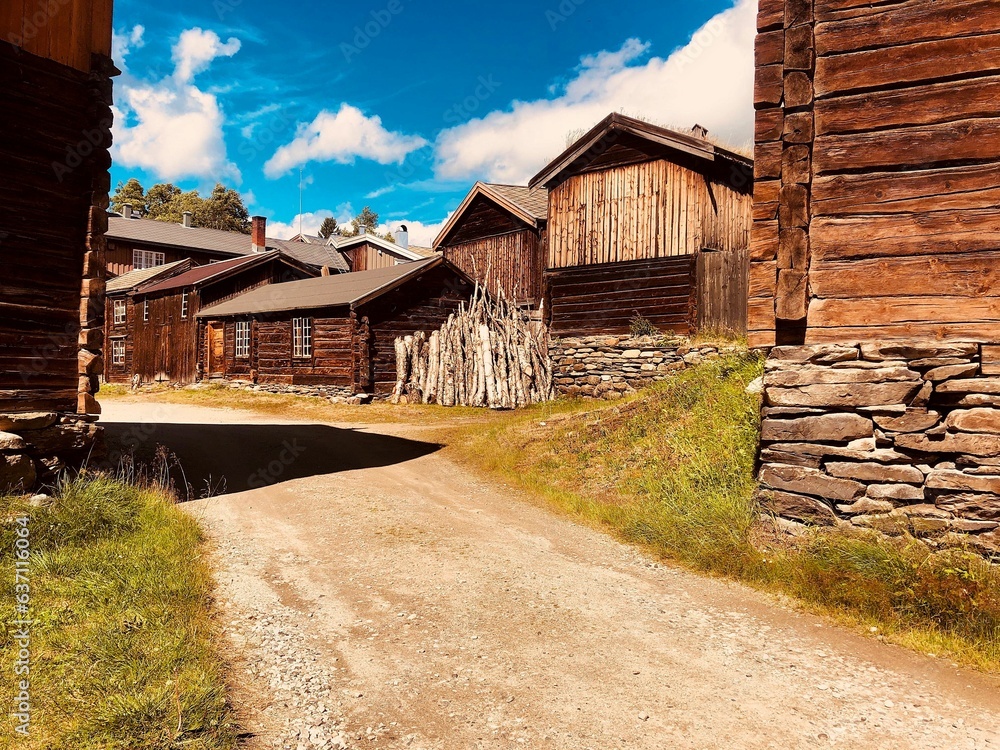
point(313, 254)
point(530, 205)
point(584, 151)
point(345, 290)
point(424, 252)
point(133, 279)
point(199, 275)
point(168, 234)
point(344, 243)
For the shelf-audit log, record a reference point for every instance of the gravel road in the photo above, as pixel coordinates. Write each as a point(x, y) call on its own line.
point(375, 595)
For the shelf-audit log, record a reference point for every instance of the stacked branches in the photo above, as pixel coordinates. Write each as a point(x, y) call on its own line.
point(488, 354)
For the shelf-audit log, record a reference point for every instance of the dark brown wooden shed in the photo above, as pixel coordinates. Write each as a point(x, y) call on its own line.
point(336, 330)
point(497, 236)
point(646, 221)
point(162, 339)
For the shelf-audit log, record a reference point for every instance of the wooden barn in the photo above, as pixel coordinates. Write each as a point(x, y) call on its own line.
point(497, 236)
point(54, 182)
point(646, 221)
point(366, 252)
point(135, 244)
point(332, 331)
point(878, 171)
point(161, 340)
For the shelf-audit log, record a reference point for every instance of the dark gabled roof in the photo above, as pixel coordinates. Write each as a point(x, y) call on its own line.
point(135, 279)
point(202, 275)
point(530, 205)
point(583, 151)
point(168, 234)
point(346, 290)
point(317, 255)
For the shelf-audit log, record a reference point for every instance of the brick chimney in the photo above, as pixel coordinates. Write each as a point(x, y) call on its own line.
point(258, 233)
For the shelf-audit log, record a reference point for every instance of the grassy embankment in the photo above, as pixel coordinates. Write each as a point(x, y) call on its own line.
point(122, 649)
point(672, 471)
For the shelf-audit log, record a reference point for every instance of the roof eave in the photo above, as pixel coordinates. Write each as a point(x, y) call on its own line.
point(482, 188)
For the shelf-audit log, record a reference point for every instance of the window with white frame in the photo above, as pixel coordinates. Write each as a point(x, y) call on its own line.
point(119, 312)
point(184, 304)
point(118, 352)
point(145, 311)
point(243, 339)
point(302, 345)
point(147, 259)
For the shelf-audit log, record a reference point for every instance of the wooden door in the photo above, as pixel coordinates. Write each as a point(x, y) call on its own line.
point(163, 355)
point(722, 294)
point(216, 351)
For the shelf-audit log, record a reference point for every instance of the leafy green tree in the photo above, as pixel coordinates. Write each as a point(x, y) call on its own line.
point(130, 192)
point(328, 228)
point(367, 219)
point(224, 209)
point(389, 236)
point(160, 200)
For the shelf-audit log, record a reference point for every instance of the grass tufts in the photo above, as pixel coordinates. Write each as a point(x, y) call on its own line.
point(122, 645)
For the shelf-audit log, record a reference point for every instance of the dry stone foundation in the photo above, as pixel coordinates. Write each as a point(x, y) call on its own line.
point(35, 447)
point(609, 367)
point(897, 437)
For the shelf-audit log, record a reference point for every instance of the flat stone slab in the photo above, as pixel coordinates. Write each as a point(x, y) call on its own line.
point(36, 420)
point(844, 395)
point(982, 420)
point(951, 479)
point(970, 444)
point(875, 472)
point(806, 481)
point(826, 427)
point(800, 507)
point(913, 420)
point(916, 350)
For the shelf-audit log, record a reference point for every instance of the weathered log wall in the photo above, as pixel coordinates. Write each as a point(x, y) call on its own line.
point(877, 162)
point(592, 300)
point(54, 183)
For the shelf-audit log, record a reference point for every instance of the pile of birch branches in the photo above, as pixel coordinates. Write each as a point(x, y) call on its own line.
point(487, 354)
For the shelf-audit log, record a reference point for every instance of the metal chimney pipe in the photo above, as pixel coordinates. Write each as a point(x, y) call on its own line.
point(187, 219)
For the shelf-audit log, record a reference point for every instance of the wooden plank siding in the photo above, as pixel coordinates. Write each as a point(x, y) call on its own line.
point(120, 255)
point(367, 257)
point(509, 261)
point(634, 232)
point(903, 239)
point(68, 32)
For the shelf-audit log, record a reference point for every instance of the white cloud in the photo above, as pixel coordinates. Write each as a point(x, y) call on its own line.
point(420, 234)
point(311, 222)
point(171, 127)
point(195, 51)
point(709, 81)
point(342, 137)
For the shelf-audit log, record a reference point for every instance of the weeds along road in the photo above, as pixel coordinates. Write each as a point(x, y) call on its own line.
point(375, 595)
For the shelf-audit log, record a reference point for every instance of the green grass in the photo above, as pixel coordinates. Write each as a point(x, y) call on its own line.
point(672, 470)
point(122, 645)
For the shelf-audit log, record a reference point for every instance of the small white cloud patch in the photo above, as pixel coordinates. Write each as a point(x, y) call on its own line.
point(343, 137)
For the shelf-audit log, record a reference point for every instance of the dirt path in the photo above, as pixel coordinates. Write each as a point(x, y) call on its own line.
point(383, 598)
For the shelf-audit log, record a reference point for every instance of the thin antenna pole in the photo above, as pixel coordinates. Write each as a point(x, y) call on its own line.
point(300, 200)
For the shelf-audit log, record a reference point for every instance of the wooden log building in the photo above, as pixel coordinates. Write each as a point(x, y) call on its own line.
point(497, 237)
point(135, 243)
point(878, 166)
point(366, 252)
point(55, 73)
point(153, 330)
point(332, 331)
point(646, 221)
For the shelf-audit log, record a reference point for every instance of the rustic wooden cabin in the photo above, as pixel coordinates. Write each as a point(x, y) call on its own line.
point(120, 311)
point(333, 331)
point(161, 341)
point(645, 221)
point(135, 243)
point(877, 171)
point(497, 236)
point(366, 252)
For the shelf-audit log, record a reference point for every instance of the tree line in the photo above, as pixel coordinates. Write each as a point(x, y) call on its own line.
point(222, 209)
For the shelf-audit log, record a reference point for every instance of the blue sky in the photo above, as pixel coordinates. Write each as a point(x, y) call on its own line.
point(403, 104)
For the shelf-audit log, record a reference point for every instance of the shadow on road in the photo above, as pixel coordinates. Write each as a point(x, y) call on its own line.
point(223, 458)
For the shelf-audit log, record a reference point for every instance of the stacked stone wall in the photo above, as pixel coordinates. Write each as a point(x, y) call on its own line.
point(897, 437)
point(610, 367)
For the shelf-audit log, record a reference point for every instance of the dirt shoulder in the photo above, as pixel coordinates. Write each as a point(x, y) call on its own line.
point(404, 603)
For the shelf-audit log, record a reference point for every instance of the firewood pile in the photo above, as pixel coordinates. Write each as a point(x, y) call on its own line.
point(488, 354)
